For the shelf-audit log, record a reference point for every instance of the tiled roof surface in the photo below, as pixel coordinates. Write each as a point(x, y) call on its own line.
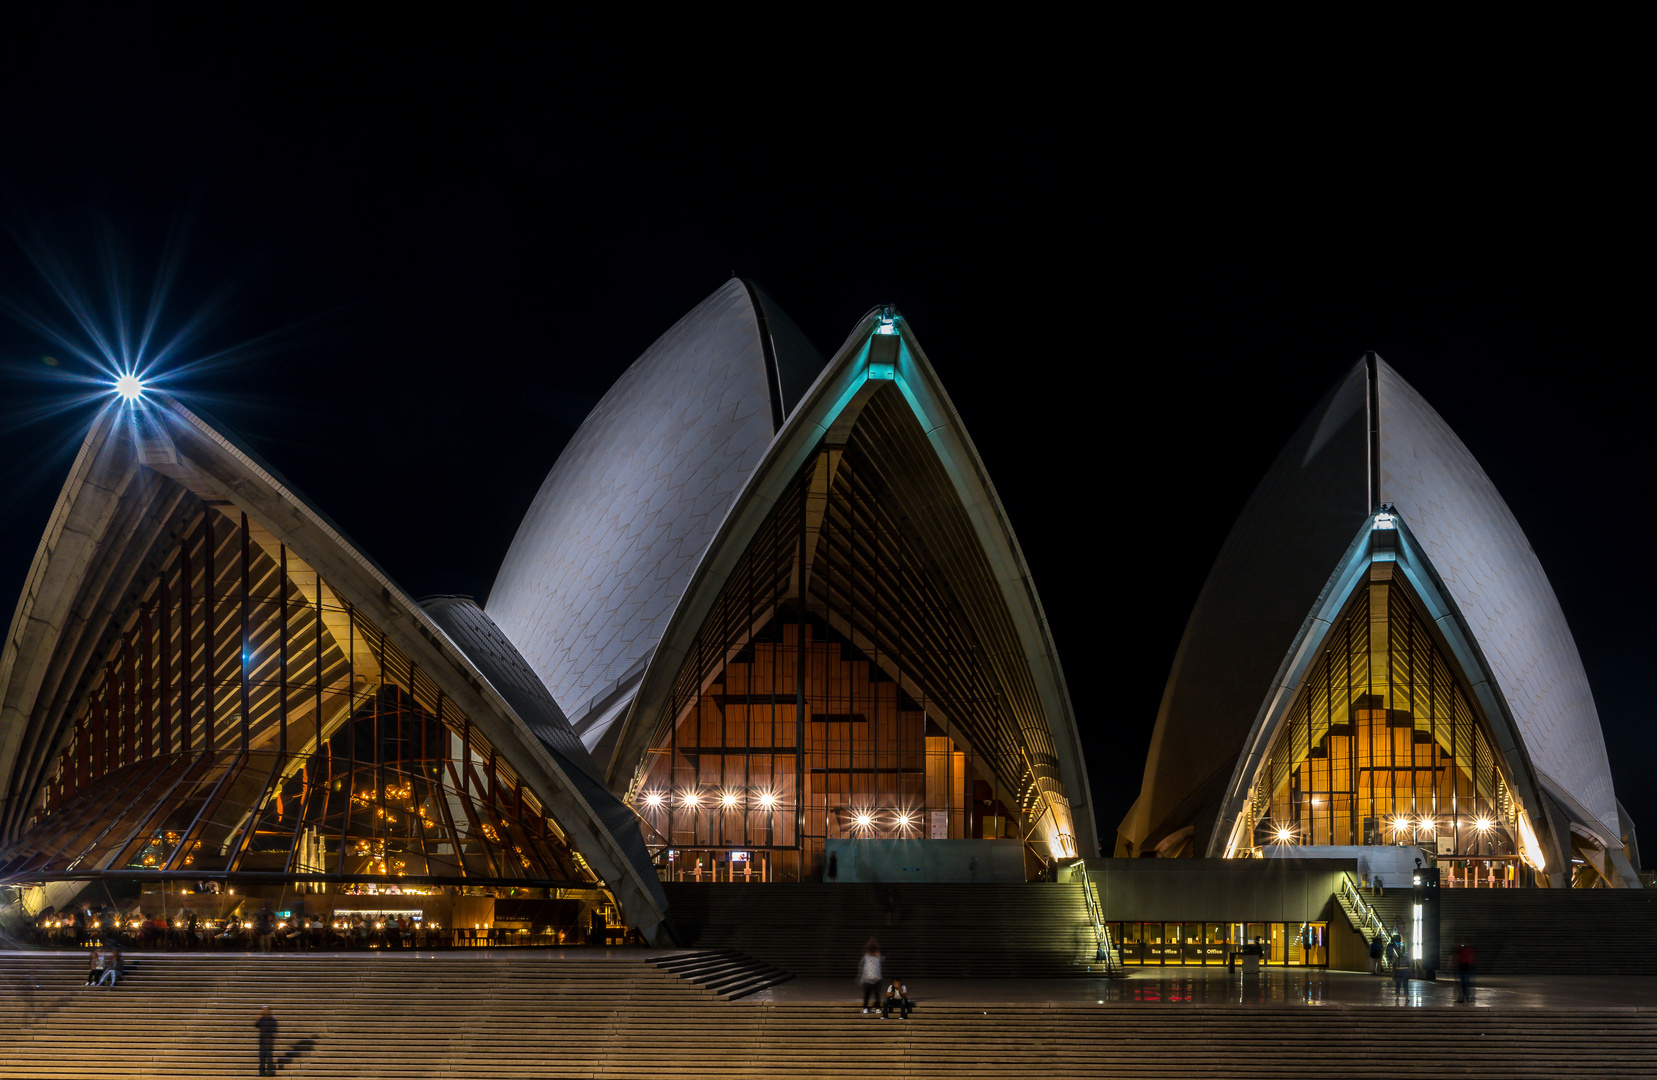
point(610, 541)
point(1488, 567)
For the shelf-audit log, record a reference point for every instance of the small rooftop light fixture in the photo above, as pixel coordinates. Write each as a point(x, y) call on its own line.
point(1384, 520)
point(888, 322)
point(129, 387)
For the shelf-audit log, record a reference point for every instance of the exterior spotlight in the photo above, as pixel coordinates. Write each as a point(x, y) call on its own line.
point(1285, 834)
point(767, 800)
point(654, 798)
point(864, 821)
point(1384, 521)
point(129, 387)
point(728, 799)
point(887, 323)
point(1483, 824)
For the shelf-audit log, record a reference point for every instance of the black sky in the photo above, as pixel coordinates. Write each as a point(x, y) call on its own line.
point(1134, 281)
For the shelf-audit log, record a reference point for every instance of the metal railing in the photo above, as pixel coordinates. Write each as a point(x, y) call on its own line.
point(1367, 918)
point(1105, 952)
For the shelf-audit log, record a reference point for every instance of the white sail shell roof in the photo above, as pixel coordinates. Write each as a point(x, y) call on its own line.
point(611, 539)
point(1497, 582)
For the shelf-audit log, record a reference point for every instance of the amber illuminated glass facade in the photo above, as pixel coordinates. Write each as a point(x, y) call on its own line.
point(245, 723)
point(838, 689)
point(1383, 744)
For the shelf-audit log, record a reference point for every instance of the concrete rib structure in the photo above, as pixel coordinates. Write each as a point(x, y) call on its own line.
point(1373, 451)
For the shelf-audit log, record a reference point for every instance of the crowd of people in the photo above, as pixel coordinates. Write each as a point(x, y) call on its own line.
point(263, 931)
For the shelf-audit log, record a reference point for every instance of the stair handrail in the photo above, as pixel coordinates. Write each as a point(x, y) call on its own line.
point(1101, 933)
point(1366, 914)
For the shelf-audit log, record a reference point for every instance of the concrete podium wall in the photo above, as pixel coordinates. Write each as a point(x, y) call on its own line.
point(924, 860)
point(1219, 890)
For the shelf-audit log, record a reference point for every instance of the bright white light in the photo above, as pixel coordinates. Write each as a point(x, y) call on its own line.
point(905, 820)
point(1284, 835)
point(1385, 521)
point(688, 799)
point(129, 387)
point(767, 800)
point(1483, 823)
point(1427, 825)
point(654, 798)
point(728, 799)
point(1400, 824)
point(864, 821)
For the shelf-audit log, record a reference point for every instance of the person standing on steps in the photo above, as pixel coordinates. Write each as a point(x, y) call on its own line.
point(267, 1042)
point(868, 973)
point(1465, 959)
point(1400, 958)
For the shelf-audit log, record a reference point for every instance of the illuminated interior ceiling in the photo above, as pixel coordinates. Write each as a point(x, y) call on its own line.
point(1292, 559)
point(164, 759)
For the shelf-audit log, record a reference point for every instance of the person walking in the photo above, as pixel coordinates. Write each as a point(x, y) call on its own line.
point(267, 1042)
point(1465, 959)
point(897, 995)
point(868, 973)
point(1399, 956)
point(1377, 947)
point(1379, 889)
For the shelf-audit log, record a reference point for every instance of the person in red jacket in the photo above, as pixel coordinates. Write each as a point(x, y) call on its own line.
point(1465, 959)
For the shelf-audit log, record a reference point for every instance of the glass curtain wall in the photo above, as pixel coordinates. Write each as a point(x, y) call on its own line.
point(834, 692)
point(248, 723)
point(1383, 745)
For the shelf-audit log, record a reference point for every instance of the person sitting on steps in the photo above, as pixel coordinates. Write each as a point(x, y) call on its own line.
point(897, 995)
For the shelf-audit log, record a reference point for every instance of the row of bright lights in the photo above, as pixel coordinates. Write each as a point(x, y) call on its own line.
point(691, 798)
point(1284, 834)
point(863, 819)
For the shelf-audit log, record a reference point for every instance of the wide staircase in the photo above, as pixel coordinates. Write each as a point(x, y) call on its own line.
point(1025, 930)
point(531, 1015)
point(1541, 931)
point(726, 972)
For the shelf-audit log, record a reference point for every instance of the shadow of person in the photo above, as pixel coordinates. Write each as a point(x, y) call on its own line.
point(297, 1051)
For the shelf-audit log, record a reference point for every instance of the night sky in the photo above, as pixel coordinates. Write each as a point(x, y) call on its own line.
point(429, 249)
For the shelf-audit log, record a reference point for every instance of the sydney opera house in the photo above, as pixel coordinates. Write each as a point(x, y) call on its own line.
point(1377, 658)
point(763, 603)
point(765, 607)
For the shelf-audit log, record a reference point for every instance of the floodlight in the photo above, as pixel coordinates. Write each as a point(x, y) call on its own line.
point(129, 387)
